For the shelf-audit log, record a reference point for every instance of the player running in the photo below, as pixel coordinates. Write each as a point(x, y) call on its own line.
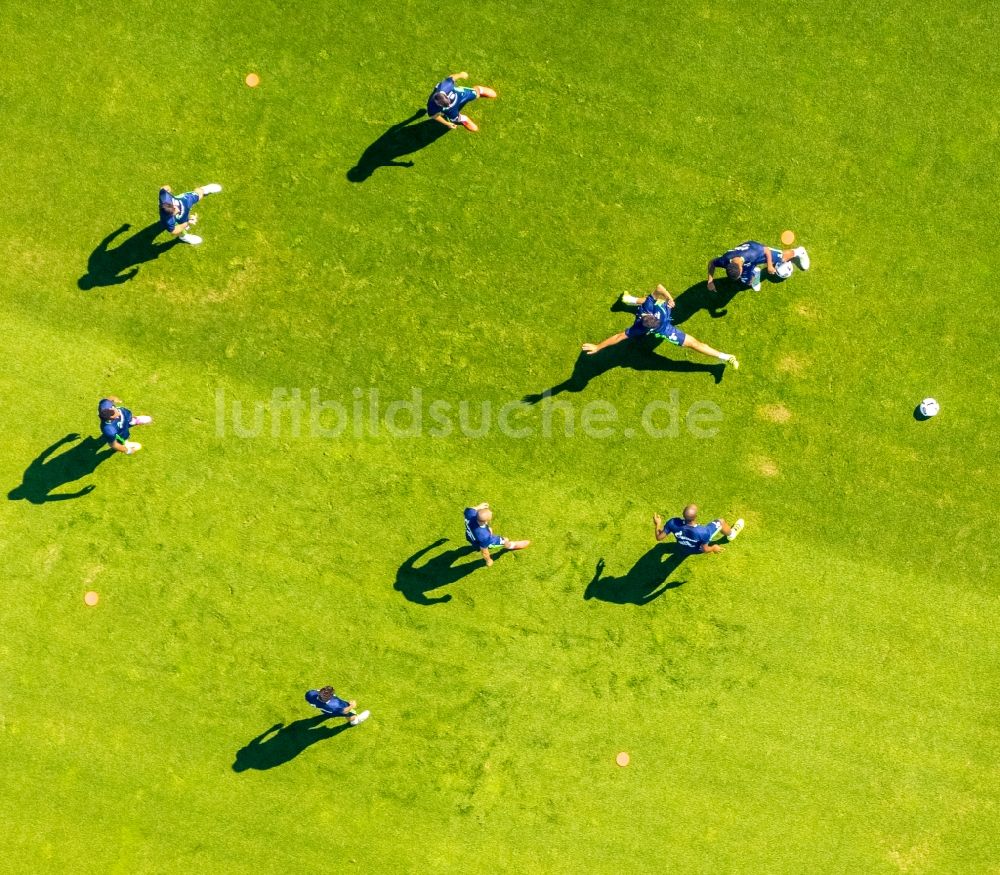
point(653, 317)
point(745, 261)
point(447, 99)
point(175, 212)
point(480, 535)
point(116, 424)
point(693, 538)
point(326, 700)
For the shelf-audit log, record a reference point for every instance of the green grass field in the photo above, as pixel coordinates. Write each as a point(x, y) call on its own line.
point(822, 697)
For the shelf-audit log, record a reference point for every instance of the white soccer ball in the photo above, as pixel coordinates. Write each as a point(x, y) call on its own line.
point(784, 270)
point(929, 407)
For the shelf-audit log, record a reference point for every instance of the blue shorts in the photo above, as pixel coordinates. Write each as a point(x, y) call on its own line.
point(673, 334)
point(704, 534)
point(464, 96)
point(189, 199)
point(495, 541)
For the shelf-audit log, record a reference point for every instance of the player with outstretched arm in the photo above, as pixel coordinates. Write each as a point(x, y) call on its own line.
point(653, 317)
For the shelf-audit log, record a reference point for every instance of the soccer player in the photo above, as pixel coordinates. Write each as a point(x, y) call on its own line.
point(691, 537)
point(175, 212)
point(653, 317)
point(116, 423)
point(480, 535)
point(745, 261)
point(326, 700)
point(447, 99)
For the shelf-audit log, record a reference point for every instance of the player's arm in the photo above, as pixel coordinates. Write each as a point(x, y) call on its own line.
point(440, 118)
point(711, 548)
point(665, 295)
point(482, 506)
point(658, 529)
point(120, 446)
point(462, 75)
point(591, 348)
point(180, 229)
point(486, 555)
point(713, 265)
point(769, 260)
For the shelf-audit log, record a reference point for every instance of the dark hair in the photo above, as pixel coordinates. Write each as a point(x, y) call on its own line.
point(108, 413)
point(441, 98)
point(326, 694)
point(733, 270)
point(651, 320)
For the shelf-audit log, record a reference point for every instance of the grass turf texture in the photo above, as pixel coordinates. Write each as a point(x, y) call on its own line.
point(822, 697)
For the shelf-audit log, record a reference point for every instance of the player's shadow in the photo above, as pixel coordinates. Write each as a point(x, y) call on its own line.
point(403, 138)
point(438, 571)
point(637, 355)
point(279, 744)
point(648, 579)
point(48, 472)
point(111, 267)
point(698, 297)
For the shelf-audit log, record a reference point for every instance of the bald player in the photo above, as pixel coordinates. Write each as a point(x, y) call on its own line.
point(480, 535)
point(691, 537)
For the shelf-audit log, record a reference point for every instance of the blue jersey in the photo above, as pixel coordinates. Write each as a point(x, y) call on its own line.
point(658, 309)
point(753, 257)
point(479, 534)
point(457, 98)
point(115, 430)
point(183, 205)
point(691, 538)
point(334, 706)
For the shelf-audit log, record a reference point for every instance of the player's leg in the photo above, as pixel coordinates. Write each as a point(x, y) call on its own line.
point(484, 91)
point(359, 718)
point(465, 95)
point(686, 340)
point(720, 525)
point(211, 188)
point(515, 545)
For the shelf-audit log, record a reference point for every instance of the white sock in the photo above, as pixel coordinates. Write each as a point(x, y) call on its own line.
point(212, 188)
point(630, 299)
point(725, 356)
